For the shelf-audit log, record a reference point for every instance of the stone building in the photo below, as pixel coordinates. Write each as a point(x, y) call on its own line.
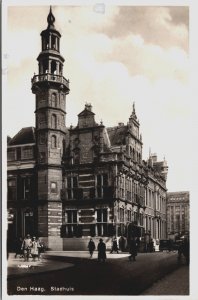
point(178, 206)
point(67, 184)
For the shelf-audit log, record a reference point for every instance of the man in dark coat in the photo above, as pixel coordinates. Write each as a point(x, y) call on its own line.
point(186, 250)
point(133, 249)
point(91, 247)
point(18, 245)
point(114, 246)
point(122, 243)
point(101, 251)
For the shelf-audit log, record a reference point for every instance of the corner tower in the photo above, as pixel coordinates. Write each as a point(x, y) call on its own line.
point(50, 88)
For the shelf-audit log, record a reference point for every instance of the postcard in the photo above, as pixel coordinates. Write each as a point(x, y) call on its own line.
point(98, 111)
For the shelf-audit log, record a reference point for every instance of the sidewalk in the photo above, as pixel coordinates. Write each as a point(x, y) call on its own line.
point(176, 283)
point(51, 260)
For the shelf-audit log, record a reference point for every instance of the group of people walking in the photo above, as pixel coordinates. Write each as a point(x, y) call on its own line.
point(29, 247)
point(101, 248)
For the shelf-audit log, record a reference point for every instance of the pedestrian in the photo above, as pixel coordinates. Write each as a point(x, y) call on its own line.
point(26, 247)
point(18, 245)
point(41, 249)
point(186, 250)
point(91, 247)
point(151, 246)
point(114, 246)
point(122, 243)
point(132, 249)
point(35, 248)
point(101, 251)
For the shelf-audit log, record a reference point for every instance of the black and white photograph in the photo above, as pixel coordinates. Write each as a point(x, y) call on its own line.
point(99, 121)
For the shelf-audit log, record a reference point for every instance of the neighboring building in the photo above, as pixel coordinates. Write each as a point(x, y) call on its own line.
point(81, 181)
point(178, 206)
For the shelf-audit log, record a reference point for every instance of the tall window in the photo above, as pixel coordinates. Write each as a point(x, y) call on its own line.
point(11, 154)
point(53, 42)
point(53, 67)
point(72, 188)
point(128, 215)
point(53, 187)
point(102, 184)
point(54, 121)
point(76, 156)
point(27, 153)
point(102, 222)
point(26, 188)
point(54, 100)
point(54, 141)
point(12, 189)
point(71, 216)
point(71, 228)
point(122, 215)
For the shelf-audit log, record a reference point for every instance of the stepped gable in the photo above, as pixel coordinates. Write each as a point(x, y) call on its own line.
point(117, 135)
point(25, 136)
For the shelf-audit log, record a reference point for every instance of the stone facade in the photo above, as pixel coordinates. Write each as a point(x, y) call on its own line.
point(178, 207)
point(89, 180)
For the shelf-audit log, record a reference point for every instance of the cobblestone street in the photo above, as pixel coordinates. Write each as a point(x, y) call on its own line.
point(176, 283)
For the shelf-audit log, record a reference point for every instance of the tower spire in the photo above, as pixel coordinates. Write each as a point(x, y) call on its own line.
point(133, 115)
point(50, 18)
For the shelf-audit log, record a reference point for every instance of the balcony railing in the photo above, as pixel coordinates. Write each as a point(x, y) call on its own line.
point(50, 77)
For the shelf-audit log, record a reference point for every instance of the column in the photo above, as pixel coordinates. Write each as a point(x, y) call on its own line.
point(58, 68)
point(56, 43)
point(124, 186)
point(102, 185)
point(50, 41)
point(49, 66)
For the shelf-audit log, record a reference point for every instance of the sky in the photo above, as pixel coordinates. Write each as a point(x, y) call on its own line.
point(114, 56)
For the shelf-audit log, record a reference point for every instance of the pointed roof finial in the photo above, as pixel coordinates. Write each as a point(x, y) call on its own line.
point(134, 107)
point(50, 18)
point(133, 115)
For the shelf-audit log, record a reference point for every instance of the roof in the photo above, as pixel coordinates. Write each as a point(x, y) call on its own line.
point(25, 136)
point(117, 135)
point(86, 113)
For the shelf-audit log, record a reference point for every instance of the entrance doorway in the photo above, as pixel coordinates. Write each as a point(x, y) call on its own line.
point(28, 227)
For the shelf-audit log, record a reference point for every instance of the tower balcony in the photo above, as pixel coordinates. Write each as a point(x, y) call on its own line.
point(53, 78)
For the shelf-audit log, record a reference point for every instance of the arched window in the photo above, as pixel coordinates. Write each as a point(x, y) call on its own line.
point(54, 100)
point(54, 141)
point(54, 121)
